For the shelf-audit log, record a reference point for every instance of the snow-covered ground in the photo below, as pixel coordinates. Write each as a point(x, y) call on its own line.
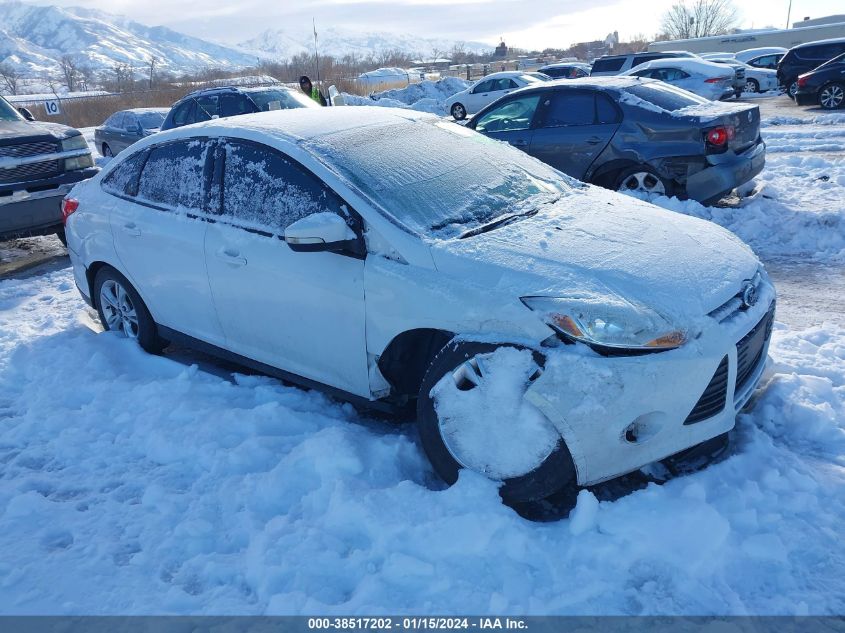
point(139, 484)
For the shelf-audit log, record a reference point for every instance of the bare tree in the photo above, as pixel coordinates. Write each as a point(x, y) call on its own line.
point(152, 67)
point(9, 78)
point(699, 18)
point(70, 72)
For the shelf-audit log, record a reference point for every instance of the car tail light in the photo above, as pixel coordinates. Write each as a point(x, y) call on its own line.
point(715, 80)
point(802, 80)
point(719, 136)
point(69, 206)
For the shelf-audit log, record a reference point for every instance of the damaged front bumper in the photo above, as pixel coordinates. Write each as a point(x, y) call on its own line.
point(617, 414)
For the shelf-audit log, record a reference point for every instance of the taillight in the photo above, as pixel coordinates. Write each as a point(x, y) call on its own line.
point(719, 136)
point(715, 80)
point(69, 205)
point(802, 80)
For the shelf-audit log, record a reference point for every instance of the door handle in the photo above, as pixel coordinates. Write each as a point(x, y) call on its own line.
point(132, 229)
point(519, 142)
point(594, 140)
point(231, 257)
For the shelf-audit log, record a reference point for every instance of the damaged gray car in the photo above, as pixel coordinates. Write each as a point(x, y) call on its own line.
point(632, 134)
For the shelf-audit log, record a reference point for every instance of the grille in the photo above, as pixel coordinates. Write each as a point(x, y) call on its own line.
point(749, 350)
point(712, 401)
point(33, 170)
point(733, 306)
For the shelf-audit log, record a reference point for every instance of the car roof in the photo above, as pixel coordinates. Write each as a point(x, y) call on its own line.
point(566, 65)
point(299, 124)
point(230, 89)
point(143, 110)
point(686, 63)
point(834, 40)
point(503, 74)
point(611, 81)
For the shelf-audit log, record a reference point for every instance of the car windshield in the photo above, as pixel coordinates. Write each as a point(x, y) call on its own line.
point(151, 120)
point(280, 100)
point(438, 179)
point(530, 79)
point(8, 112)
point(665, 96)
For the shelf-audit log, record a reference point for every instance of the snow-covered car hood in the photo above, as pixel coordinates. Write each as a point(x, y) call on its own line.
point(599, 242)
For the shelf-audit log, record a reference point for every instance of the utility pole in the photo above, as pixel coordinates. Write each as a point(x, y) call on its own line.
point(788, 13)
point(316, 53)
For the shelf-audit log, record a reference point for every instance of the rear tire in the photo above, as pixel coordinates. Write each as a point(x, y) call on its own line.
point(121, 309)
point(556, 471)
point(832, 96)
point(107, 153)
point(458, 112)
point(751, 85)
point(60, 233)
point(791, 89)
point(643, 179)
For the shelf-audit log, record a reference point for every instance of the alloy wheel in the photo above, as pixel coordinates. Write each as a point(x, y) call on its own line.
point(831, 97)
point(458, 111)
point(118, 309)
point(643, 182)
point(750, 86)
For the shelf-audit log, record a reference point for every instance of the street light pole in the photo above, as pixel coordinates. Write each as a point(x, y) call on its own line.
point(788, 13)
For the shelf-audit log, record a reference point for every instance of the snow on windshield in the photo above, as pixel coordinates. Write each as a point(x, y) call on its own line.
point(438, 179)
point(151, 120)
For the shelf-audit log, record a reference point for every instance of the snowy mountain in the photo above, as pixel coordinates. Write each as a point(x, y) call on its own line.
point(280, 44)
point(33, 38)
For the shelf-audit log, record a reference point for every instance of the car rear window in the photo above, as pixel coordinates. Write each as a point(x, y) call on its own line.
point(664, 96)
point(822, 52)
point(611, 64)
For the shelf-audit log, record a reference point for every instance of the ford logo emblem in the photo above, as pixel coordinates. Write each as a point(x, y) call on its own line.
point(749, 295)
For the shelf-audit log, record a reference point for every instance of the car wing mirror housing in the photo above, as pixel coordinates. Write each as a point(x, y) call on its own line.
point(318, 232)
point(25, 113)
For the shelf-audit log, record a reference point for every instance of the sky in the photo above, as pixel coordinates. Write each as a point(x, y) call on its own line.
point(531, 25)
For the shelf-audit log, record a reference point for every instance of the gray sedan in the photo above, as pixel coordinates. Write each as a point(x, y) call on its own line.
point(123, 128)
point(632, 134)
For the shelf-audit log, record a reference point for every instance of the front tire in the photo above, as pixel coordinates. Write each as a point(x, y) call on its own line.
point(458, 111)
point(107, 153)
point(832, 96)
point(530, 466)
point(791, 89)
point(121, 309)
point(751, 85)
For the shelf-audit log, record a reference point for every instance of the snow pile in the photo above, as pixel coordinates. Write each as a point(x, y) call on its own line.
point(139, 484)
point(425, 96)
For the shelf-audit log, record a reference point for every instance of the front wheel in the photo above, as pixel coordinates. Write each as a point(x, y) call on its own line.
point(832, 96)
point(107, 153)
point(122, 310)
point(472, 413)
point(791, 89)
point(642, 179)
point(751, 85)
point(459, 112)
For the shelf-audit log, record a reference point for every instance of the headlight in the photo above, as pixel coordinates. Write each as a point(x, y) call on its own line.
point(608, 322)
point(74, 142)
point(80, 162)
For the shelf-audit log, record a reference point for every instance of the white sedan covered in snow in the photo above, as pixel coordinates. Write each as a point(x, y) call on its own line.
point(706, 79)
point(487, 90)
point(756, 79)
point(551, 334)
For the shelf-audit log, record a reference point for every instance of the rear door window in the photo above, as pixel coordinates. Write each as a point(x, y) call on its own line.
point(174, 175)
point(606, 112)
point(570, 108)
point(262, 188)
point(123, 179)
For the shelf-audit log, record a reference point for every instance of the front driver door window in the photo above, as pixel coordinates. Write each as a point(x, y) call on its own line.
point(511, 121)
point(573, 128)
point(299, 312)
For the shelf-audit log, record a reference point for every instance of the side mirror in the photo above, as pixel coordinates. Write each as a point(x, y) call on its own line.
point(25, 113)
point(319, 232)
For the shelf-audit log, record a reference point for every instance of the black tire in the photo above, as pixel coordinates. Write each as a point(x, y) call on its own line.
point(458, 111)
point(147, 334)
point(791, 88)
point(107, 153)
point(557, 471)
point(626, 177)
point(699, 456)
point(832, 96)
point(60, 233)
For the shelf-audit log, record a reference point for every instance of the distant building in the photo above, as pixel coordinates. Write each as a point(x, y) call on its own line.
point(830, 19)
point(501, 50)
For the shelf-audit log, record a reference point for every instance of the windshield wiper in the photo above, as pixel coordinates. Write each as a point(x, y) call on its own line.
point(500, 221)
